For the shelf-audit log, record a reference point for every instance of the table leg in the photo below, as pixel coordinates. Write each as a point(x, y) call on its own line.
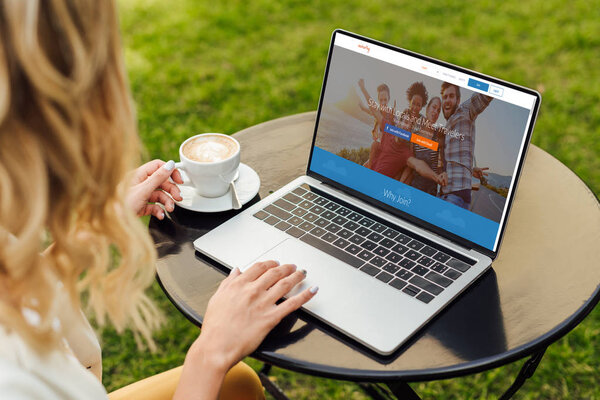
point(525, 373)
point(269, 386)
point(390, 391)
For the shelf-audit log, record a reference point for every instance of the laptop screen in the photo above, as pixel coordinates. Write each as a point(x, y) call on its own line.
point(435, 141)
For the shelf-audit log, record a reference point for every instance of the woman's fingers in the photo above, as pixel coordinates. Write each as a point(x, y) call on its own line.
point(284, 285)
point(158, 196)
point(172, 188)
point(252, 273)
point(153, 209)
point(274, 275)
point(295, 302)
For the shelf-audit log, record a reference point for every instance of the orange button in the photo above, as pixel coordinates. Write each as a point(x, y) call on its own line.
point(423, 141)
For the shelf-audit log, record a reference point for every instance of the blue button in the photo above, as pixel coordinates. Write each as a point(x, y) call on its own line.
point(394, 130)
point(478, 85)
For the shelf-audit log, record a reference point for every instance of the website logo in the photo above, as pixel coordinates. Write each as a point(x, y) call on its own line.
point(364, 47)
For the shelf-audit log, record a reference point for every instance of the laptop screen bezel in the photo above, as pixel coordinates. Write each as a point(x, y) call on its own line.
point(404, 215)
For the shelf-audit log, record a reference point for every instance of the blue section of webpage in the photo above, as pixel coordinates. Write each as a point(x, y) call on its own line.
point(422, 205)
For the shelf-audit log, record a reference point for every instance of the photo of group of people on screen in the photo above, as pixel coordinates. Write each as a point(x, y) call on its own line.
point(415, 149)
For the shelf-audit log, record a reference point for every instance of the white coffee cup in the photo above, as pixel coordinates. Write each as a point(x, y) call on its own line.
point(211, 162)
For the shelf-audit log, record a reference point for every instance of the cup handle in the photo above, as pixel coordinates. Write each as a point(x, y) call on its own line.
point(181, 169)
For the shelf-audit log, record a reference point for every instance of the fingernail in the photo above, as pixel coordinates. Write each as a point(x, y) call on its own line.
point(304, 272)
point(294, 267)
point(277, 262)
point(169, 165)
point(314, 289)
point(161, 215)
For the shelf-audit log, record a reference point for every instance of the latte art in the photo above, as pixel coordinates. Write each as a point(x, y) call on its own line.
point(210, 149)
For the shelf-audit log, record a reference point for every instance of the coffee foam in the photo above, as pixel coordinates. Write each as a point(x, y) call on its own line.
point(210, 149)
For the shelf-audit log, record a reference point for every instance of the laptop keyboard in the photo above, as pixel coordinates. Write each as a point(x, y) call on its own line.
point(403, 262)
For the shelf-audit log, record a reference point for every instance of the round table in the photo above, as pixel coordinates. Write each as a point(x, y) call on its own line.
point(543, 283)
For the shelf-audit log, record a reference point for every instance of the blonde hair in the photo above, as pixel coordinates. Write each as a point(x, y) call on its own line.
point(67, 139)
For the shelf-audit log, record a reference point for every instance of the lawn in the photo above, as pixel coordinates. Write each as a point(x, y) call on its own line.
point(199, 66)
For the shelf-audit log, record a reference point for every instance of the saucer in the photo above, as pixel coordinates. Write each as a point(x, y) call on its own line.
point(246, 185)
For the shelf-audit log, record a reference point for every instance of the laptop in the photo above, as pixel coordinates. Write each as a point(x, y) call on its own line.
point(411, 176)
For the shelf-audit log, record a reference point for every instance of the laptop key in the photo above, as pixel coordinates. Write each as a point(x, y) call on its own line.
point(387, 243)
point(426, 261)
point(452, 274)
point(341, 243)
point(404, 274)
point(318, 231)
point(439, 279)
point(305, 204)
point(328, 215)
point(351, 225)
point(428, 251)
point(317, 209)
point(362, 231)
point(459, 265)
point(306, 226)
point(381, 251)
point(400, 249)
point(377, 227)
point(391, 268)
point(366, 222)
point(322, 222)
point(393, 257)
point(397, 283)
point(420, 270)
point(425, 285)
point(261, 214)
point(353, 249)
point(299, 191)
point(299, 212)
point(282, 226)
point(437, 267)
point(411, 290)
point(357, 239)
point(321, 201)
point(413, 255)
point(343, 211)
point(441, 257)
point(310, 217)
point(332, 206)
point(353, 216)
point(278, 212)
point(365, 255)
point(333, 228)
point(402, 238)
point(374, 236)
point(295, 232)
point(390, 233)
point(332, 250)
point(345, 233)
point(384, 277)
point(329, 237)
point(292, 198)
point(286, 205)
point(425, 297)
point(369, 269)
point(378, 261)
point(415, 244)
point(369, 245)
point(339, 220)
point(310, 196)
point(271, 220)
point(406, 263)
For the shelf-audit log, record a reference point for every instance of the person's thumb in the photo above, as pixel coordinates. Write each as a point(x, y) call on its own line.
point(158, 177)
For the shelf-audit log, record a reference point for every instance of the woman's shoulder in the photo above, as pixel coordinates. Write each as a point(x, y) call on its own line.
point(56, 374)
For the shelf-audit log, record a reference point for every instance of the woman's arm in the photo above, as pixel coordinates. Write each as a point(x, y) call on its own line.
point(374, 110)
point(238, 317)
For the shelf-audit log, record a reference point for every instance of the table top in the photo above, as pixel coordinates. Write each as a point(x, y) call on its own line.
point(543, 283)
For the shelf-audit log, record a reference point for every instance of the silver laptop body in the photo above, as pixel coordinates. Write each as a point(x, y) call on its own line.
point(364, 308)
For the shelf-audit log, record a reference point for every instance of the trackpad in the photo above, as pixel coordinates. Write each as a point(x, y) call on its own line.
point(348, 299)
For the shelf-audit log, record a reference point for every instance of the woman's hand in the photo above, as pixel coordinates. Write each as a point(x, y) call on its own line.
point(239, 316)
point(150, 184)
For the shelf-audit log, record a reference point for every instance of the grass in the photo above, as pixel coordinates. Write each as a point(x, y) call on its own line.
point(198, 66)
